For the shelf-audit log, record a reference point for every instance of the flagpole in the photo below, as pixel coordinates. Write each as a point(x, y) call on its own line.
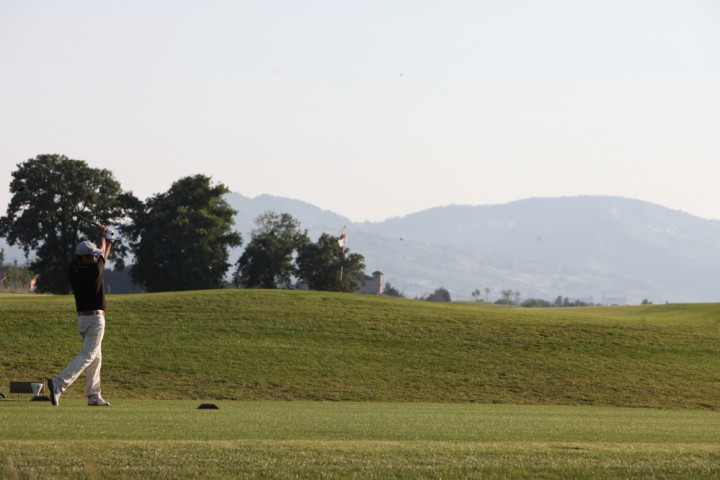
point(342, 241)
point(342, 267)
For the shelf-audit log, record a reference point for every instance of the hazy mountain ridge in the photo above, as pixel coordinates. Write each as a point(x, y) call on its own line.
point(579, 247)
point(311, 217)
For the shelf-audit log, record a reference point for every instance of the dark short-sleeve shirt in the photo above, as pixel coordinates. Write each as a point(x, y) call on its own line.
point(87, 285)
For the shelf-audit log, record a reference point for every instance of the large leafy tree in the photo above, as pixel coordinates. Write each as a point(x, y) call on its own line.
point(180, 238)
point(267, 261)
point(319, 265)
point(51, 195)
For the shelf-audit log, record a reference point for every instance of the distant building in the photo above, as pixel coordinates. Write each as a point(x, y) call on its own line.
point(372, 284)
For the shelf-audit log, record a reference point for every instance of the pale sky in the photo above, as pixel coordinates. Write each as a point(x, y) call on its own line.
point(372, 109)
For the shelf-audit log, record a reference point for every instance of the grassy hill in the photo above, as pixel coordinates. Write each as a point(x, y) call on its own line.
point(289, 345)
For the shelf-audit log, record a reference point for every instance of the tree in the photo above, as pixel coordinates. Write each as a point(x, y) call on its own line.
point(50, 195)
point(439, 295)
point(353, 270)
point(536, 303)
point(516, 297)
point(180, 238)
point(506, 298)
point(477, 295)
point(391, 291)
point(318, 265)
point(17, 278)
point(267, 261)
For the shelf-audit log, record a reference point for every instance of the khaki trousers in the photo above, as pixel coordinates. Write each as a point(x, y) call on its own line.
point(89, 360)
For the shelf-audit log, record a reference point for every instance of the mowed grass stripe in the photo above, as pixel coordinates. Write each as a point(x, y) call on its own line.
point(371, 460)
point(289, 345)
point(171, 439)
point(155, 420)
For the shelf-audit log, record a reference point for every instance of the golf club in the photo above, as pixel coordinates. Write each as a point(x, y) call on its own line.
point(81, 217)
point(109, 233)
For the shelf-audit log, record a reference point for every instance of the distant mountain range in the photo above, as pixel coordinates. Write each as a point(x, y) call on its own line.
point(591, 248)
point(597, 249)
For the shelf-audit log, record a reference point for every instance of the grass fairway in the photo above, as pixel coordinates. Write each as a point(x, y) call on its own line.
point(289, 345)
point(172, 439)
point(328, 385)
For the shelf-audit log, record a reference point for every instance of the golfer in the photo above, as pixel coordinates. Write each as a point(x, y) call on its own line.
point(86, 279)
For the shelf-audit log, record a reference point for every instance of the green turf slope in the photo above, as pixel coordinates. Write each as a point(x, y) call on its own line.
point(290, 345)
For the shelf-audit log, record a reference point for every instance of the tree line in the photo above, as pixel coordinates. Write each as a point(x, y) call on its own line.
point(512, 297)
point(14, 278)
point(179, 239)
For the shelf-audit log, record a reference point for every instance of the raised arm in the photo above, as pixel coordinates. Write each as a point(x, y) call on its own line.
point(105, 242)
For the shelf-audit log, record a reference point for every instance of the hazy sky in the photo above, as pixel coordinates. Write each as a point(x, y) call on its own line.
point(372, 109)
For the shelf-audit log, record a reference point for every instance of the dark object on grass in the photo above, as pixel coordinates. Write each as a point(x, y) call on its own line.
point(208, 406)
point(2, 395)
point(36, 388)
point(26, 387)
point(41, 398)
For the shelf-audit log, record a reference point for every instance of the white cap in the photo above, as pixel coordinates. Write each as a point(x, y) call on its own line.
point(87, 248)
